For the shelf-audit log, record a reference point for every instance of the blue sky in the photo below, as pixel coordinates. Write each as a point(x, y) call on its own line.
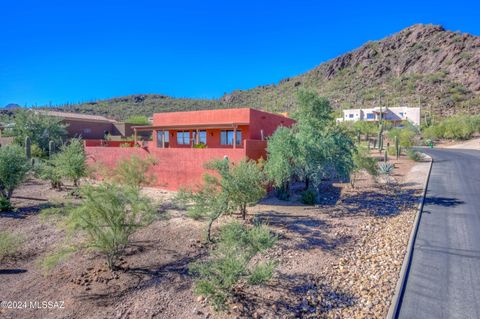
point(70, 51)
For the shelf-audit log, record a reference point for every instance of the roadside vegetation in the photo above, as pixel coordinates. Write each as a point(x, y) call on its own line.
point(231, 262)
point(458, 127)
point(14, 168)
point(313, 150)
point(9, 244)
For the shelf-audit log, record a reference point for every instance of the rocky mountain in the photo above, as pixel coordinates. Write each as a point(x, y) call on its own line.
point(422, 65)
point(11, 106)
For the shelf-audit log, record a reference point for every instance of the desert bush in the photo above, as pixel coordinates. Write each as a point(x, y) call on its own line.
point(362, 161)
point(233, 188)
point(70, 161)
point(414, 155)
point(14, 167)
point(262, 273)
point(208, 203)
point(365, 127)
point(138, 120)
point(243, 183)
point(133, 171)
point(41, 129)
point(108, 215)
point(458, 127)
point(406, 136)
point(46, 170)
point(9, 244)
point(230, 262)
point(308, 197)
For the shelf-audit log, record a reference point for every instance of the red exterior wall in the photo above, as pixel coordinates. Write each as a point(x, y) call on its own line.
point(176, 167)
point(225, 116)
point(268, 122)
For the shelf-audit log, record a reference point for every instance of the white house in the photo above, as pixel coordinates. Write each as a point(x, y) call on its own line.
point(393, 114)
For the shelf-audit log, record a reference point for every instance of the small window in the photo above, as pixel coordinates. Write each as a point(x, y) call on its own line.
point(226, 137)
point(87, 130)
point(370, 116)
point(183, 137)
point(163, 138)
point(202, 137)
point(350, 116)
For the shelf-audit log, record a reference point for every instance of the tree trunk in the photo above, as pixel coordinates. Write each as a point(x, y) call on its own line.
point(243, 210)
point(209, 230)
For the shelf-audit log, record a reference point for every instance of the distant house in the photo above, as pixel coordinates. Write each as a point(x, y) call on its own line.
point(184, 141)
point(91, 126)
point(396, 115)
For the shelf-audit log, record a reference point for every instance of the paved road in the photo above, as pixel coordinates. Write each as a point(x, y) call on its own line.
point(444, 278)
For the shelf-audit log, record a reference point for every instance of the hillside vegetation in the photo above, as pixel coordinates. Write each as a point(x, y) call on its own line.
point(421, 65)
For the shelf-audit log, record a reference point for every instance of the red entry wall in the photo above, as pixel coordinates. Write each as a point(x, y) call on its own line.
point(175, 168)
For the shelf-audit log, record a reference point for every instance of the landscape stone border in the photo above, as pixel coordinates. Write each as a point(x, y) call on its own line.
point(394, 309)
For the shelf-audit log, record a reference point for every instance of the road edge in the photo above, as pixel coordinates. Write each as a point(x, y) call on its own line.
point(407, 259)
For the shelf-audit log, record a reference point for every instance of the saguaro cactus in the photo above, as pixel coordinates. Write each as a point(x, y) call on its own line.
point(385, 156)
point(28, 147)
point(51, 148)
point(380, 138)
point(397, 147)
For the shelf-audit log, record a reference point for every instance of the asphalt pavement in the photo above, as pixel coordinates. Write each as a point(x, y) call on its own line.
point(444, 276)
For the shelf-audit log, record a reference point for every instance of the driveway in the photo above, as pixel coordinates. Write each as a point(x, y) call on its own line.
point(444, 278)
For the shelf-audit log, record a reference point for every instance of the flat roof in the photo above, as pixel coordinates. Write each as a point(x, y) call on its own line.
point(189, 126)
point(76, 116)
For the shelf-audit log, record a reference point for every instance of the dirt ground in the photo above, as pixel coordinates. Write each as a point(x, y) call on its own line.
point(473, 144)
point(154, 281)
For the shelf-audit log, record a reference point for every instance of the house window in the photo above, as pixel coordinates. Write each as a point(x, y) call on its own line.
point(199, 137)
point(183, 137)
point(163, 138)
point(370, 116)
point(87, 130)
point(202, 137)
point(350, 116)
point(226, 137)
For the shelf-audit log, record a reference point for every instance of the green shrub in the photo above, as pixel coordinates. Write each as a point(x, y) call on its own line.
point(138, 120)
point(362, 162)
point(262, 273)
point(414, 155)
point(237, 186)
point(133, 171)
point(308, 197)
point(243, 183)
point(392, 151)
point(14, 167)
point(230, 261)
point(9, 244)
point(406, 136)
point(47, 171)
point(108, 215)
point(458, 127)
point(70, 161)
point(41, 129)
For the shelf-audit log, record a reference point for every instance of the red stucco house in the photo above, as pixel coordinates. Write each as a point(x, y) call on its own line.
point(184, 141)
